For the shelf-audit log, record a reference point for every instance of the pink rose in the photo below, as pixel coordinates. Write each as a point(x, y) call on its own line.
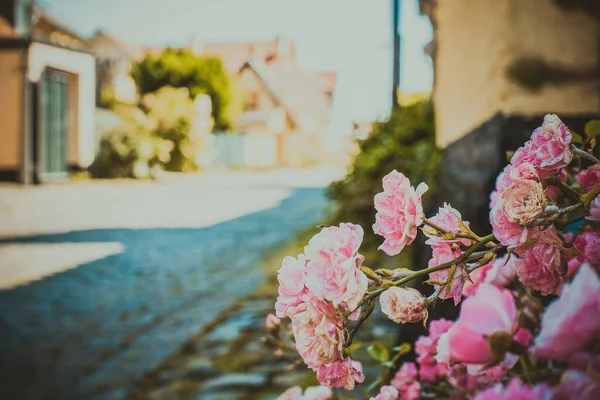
point(333, 272)
point(510, 234)
point(317, 393)
point(334, 245)
point(510, 175)
point(490, 315)
point(318, 332)
point(541, 266)
point(291, 279)
point(573, 320)
point(475, 279)
point(405, 380)
point(576, 385)
point(402, 304)
point(272, 322)
point(502, 272)
point(524, 201)
point(498, 272)
point(551, 144)
point(594, 210)
point(341, 373)
point(524, 155)
point(386, 393)
point(442, 254)
point(587, 245)
point(523, 171)
point(399, 212)
point(515, 390)
point(447, 218)
point(426, 349)
point(293, 393)
point(311, 393)
point(589, 178)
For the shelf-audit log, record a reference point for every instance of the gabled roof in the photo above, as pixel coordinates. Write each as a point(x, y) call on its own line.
point(235, 55)
point(130, 51)
point(45, 21)
point(308, 106)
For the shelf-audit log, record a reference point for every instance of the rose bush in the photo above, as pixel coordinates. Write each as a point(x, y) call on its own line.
point(529, 293)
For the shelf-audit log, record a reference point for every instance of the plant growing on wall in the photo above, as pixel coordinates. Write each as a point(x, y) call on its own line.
point(406, 142)
point(529, 291)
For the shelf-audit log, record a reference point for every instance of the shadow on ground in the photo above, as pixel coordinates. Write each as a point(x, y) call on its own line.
point(92, 331)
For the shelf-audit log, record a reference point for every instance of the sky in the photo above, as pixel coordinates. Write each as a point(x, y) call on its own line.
point(352, 37)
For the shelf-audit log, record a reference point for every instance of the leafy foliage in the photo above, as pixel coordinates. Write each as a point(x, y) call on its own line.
point(172, 112)
point(127, 148)
point(405, 142)
point(181, 68)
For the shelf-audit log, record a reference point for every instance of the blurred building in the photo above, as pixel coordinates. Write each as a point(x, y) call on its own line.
point(287, 111)
point(114, 60)
point(47, 96)
point(499, 67)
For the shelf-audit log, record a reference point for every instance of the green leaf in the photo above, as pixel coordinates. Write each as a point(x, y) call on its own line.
point(404, 348)
point(592, 128)
point(356, 344)
point(577, 138)
point(379, 352)
point(450, 279)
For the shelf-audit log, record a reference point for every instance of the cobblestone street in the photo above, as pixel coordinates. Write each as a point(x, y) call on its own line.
point(103, 282)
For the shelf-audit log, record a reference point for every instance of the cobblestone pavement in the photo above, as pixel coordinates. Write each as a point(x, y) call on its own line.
point(95, 331)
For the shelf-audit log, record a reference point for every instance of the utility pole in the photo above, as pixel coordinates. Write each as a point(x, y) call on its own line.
point(396, 4)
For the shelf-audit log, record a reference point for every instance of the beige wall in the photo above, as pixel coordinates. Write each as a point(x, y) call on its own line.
point(476, 40)
point(10, 109)
point(83, 68)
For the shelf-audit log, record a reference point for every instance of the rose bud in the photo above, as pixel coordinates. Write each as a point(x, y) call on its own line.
point(272, 322)
point(402, 304)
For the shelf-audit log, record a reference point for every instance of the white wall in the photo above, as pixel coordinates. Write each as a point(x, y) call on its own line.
point(82, 65)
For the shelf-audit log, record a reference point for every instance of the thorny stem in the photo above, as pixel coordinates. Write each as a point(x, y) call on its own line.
point(553, 217)
point(444, 231)
point(468, 270)
point(362, 319)
point(479, 254)
point(388, 283)
point(458, 260)
point(584, 154)
point(566, 189)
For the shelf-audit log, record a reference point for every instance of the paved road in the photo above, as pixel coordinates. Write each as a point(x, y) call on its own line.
point(154, 264)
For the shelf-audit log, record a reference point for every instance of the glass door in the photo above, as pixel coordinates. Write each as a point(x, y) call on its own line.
point(54, 113)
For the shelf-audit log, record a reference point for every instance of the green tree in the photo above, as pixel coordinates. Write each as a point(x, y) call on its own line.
point(181, 68)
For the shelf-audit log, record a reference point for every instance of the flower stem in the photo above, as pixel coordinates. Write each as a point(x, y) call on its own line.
point(458, 260)
point(584, 154)
point(463, 257)
point(363, 317)
point(444, 231)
